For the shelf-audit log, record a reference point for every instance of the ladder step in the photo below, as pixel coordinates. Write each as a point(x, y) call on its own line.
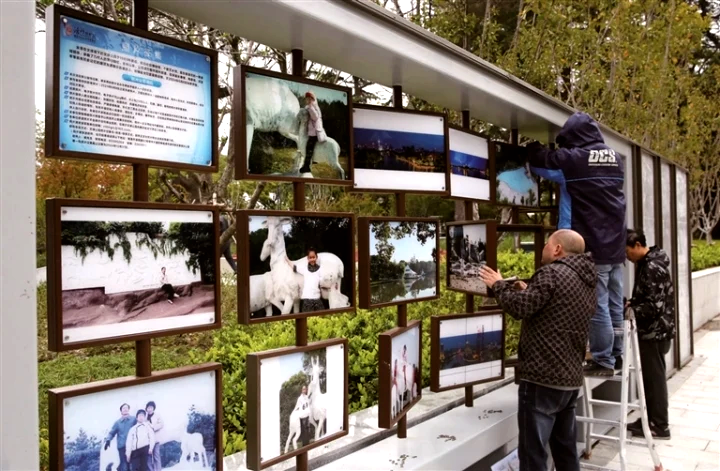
point(598, 436)
point(594, 467)
point(638, 442)
point(600, 402)
point(588, 420)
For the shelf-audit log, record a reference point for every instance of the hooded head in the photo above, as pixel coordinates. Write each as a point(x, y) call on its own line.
point(580, 130)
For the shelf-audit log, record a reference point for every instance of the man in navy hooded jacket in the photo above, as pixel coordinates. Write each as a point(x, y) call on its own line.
point(593, 176)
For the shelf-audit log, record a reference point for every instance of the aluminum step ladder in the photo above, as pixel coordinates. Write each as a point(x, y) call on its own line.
point(628, 373)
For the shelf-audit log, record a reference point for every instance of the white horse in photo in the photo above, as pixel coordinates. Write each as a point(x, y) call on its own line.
point(286, 284)
point(406, 388)
point(318, 409)
point(191, 445)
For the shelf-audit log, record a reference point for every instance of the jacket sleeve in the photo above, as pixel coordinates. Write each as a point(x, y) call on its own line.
point(526, 303)
point(552, 175)
point(651, 293)
point(113, 432)
point(542, 157)
point(314, 115)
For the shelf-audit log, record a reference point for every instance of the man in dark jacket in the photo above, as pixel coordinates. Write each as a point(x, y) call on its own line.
point(225, 249)
point(555, 309)
point(593, 175)
point(653, 301)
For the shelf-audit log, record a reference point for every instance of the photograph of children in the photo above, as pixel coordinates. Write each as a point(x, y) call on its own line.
point(399, 151)
point(515, 183)
point(299, 264)
point(403, 261)
point(302, 399)
point(405, 375)
point(467, 252)
point(296, 128)
point(470, 349)
point(162, 425)
point(129, 271)
point(469, 166)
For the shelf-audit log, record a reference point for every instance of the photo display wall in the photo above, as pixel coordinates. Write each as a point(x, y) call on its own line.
point(466, 349)
point(398, 260)
point(297, 400)
point(400, 150)
point(470, 245)
point(294, 264)
point(121, 94)
point(292, 128)
point(400, 372)
point(472, 170)
point(121, 271)
point(115, 424)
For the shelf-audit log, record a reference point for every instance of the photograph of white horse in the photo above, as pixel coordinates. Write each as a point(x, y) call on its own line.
point(279, 123)
point(405, 375)
point(279, 281)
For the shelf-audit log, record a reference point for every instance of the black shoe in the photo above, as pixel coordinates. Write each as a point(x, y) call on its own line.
point(657, 433)
point(618, 363)
point(595, 369)
point(635, 427)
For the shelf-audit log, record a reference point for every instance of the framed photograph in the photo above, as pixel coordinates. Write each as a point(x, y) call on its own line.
point(121, 423)
point(400, 150)
point(398, 260)
point(514, 182)
point(466, 349)
point(472, 170)
point(400, 372)
point(470, 245)
point(120, 271)
point(292, 128)
point(116, 93)
point(297, 400)
point(294, 264)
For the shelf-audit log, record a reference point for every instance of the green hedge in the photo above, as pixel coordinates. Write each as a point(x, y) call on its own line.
point(231, 344)
point(704, 255)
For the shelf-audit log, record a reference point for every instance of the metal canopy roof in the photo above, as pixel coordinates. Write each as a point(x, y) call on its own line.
point(364, 39)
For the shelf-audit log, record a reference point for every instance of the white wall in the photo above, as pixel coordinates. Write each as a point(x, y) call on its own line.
point(116, 275)
point(706, 300)
point(18, 334)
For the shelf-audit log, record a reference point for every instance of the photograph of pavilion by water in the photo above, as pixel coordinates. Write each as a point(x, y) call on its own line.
point(470, 169)
point(515, 184)
point(399, 150)
point(402, 260)
point(466, 349)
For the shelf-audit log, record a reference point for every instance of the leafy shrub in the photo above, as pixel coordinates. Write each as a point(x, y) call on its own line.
point(705, 256)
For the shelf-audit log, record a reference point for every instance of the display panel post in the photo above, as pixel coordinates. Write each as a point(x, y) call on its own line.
point(469, 298)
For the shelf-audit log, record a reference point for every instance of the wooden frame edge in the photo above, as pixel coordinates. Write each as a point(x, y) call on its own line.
point(490, 257)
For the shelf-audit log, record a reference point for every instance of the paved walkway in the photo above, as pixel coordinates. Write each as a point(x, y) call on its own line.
point(694, 417)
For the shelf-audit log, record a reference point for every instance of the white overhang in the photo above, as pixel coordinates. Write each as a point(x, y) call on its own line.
point(366, 40)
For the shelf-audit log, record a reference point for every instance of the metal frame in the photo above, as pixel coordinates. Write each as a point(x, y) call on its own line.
point(254, 397)
point(401, 111)
point(243, 278)
point(52, 90)
point(53, 210)
point(490, 250)
point(364, 281)
point(491, 166)
point(385, 420)
point(435, 322)
point(56, 397)
point(239, 109)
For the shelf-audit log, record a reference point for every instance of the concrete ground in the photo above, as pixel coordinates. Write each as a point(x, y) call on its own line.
point(694, 415)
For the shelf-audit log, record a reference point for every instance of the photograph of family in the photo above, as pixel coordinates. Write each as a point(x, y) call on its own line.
point(129, 271)
point(470, 349)
point(303, 399)
point(400, 151)
point(296, 129)
point(469, 166)
point(403, 261)
point(516, 185)
point(467, 253)
point(299, 264)
point(148, 427)
point(405, 373)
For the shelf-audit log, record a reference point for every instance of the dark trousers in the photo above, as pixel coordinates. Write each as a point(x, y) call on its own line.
point(227, 253)
point(139, 459)
point(124, 465)
point(546, 415)
point(304, 433)
point(169, 291)
point(309, 151)
point(652, 360)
